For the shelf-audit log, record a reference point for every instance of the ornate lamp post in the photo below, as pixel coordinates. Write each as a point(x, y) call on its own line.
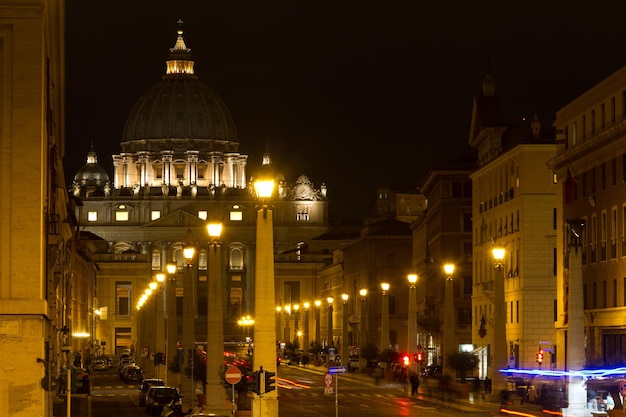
point(296, 325)
point(345, 351)
point(329, 330)
point(412, 319)
point(318, 336)
point(384, 326)
point(189, 327)
point(171, 331)
point(266, 404)
point(363, 326)
point(449, 321)
point(575, 318)
point(161, 328)
point(499, 322)
point(214, 390)
point(306, 343)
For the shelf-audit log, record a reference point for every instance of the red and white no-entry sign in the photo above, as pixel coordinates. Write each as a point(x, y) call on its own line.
point(232, 375)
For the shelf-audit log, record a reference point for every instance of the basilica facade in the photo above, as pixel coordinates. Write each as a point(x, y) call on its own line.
point(180, 168)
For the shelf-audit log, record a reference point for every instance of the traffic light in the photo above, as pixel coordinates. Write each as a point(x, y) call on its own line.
point(539, 357)
point(270, 381)
point(255, 383)
point(405, 360)
point(419, 357)
point(163, 358)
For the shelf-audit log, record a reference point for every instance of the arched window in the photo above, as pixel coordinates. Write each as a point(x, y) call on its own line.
point(236, 258)
point(202, 261)
point(156, 260)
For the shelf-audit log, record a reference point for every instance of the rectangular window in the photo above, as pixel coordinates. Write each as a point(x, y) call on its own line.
point(614, 171)
point(203, 214)
point(92, 216)
point(614, 294)
point(613, 112)
point(236, 216)
point(517, 311)
point(121, 216)
point(155, 215)
point(602, 116)
point(603, 177)
point(122, 297)
point(604, 294)
point(593, 122)
point(584, 127)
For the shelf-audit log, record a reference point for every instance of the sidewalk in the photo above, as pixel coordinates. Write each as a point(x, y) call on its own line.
point(474, 402)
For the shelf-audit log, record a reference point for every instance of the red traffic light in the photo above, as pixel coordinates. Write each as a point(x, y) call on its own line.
point(539, 356)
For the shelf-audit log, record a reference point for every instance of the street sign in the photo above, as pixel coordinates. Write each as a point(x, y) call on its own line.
point(337, 370)
point(622, 389)
point(328, 380)
point(232, 375)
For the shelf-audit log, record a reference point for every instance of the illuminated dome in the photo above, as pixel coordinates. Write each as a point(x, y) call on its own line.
point(179, 108)
point(91, 174)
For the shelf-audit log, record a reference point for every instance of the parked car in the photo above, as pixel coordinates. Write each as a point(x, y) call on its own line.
point(100, 365)
point(132, 373)
point(124, 363)
point(145, 386)
point(159, 397)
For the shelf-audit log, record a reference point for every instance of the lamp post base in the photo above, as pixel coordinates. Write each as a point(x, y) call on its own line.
point(264, 406)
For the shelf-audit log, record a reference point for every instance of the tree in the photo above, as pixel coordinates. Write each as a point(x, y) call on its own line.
point(369, 352)
point(462, 362)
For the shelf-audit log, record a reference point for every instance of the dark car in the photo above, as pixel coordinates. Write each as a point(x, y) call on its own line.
point(132, 374)
point(145, 386)
point(159, 397)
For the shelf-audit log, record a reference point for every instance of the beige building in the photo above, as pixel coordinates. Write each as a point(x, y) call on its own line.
point(36, 268)
point(443, 234)
point(591, 169)
point(514, 206)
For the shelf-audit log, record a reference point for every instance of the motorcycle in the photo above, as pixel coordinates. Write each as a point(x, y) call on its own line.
point(175, 409)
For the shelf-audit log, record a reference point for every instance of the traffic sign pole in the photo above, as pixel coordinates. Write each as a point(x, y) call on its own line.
point(232, 376)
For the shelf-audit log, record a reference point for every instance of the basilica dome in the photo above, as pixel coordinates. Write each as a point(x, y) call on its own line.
point(179, 108)
point(91, 174)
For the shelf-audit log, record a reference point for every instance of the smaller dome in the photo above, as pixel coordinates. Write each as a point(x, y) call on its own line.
point(91, 174)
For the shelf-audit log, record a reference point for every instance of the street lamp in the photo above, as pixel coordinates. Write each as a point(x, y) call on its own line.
point(345, 352)
point(296, 326)
point(215, 322)
point(499, 322)
point(265, 405)
point(412, 321)
point(305, 343)
point(161, 330)
point(363, 326)
point(189, 334)
point(575, 310)
point(384, 326)
point(329, 330)
point(318, 318)
point(449, 322)
point(171, 332)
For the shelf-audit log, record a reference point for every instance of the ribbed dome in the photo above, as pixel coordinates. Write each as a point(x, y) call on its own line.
point(91, 174)
point(178, 107)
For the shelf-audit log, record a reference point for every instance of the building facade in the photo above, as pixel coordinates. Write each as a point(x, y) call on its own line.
point(514, 207)
point(180, 168)
point(36, 230)
point(591, 169)
point(443, 234)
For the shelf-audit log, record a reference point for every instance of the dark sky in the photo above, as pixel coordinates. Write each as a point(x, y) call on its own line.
point(351, 93)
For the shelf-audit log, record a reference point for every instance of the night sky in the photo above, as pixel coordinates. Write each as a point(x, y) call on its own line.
point(354, 94)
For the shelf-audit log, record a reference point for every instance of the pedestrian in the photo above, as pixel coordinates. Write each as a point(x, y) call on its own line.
point(415, 383)
point(487, 385)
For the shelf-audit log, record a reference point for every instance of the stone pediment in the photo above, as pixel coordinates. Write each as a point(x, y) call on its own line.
point(177, 218)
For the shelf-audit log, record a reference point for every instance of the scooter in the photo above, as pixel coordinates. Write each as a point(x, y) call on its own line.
point(175, 409)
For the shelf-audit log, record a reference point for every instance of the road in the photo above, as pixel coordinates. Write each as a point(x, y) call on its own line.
point(301, 393)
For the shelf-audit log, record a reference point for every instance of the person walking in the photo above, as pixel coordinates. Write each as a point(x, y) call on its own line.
point(415, 383)
point(487, 385)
